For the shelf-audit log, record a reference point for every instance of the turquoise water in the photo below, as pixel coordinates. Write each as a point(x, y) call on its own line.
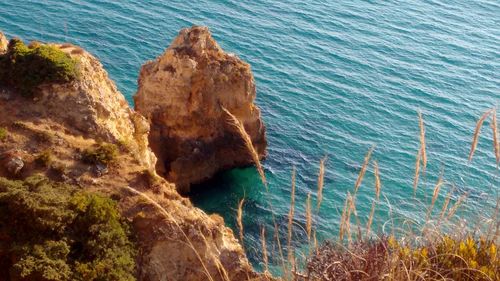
point(333, 78)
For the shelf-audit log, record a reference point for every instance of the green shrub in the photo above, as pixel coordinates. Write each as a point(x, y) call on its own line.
point(44, 158)
point(27, 67)
point(58, 168)
point(447, 258)
point(3, 134)
point(464, 258)
point(104, 153)
point(52, 231)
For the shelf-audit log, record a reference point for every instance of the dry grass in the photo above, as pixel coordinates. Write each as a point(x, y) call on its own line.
point(378, 184)
point(370, 218)
point(248, 143)
point(445, 206)
point(321, 182)
point(363, 170)
point(457, 204)
point(477, 131)
point(291, 215)
point(417, 172)
point(239, 220)
point(496, 142)
point(345, 219)
point(377, 258)
point(422, 141)
point(308, 217)
point(264, 249)
point(435, 195)
point(255, 157)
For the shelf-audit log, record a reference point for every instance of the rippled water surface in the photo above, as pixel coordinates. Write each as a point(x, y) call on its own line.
point(333, 78)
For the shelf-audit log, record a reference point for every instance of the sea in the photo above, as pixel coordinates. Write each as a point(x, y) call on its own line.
point(334, 79)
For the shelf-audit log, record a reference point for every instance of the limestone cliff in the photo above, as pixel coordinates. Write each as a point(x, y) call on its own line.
point(182, 92)
point(95, 108)
point(65, 120)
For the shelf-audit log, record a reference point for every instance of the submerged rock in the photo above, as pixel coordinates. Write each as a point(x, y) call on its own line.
point(182, 93)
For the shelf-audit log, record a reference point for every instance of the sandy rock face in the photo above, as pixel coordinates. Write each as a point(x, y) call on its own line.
point(182, 92)
point(95, 108)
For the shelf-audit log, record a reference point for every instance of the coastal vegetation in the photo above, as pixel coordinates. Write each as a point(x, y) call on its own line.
point(27, 67)
point(441, 248)
point(102, 153)
point(53, 231)
point(3, 133)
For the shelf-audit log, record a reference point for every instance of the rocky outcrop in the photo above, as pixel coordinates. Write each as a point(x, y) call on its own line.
point(181, 93)
point(12, 161)
point(3, 43)
point(176, 240)
point(97, 109)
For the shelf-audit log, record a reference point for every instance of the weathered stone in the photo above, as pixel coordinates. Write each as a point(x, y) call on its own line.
point(14, 165)
point(182, 92)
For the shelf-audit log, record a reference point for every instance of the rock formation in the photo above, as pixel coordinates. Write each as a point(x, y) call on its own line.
point(176, 243)
point(182, 92)
point(98, 109)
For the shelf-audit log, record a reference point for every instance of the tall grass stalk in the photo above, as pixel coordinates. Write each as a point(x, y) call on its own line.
point(422, 141)
point(457, 204)
point(308, 218)
point(264, 249)
point(378, 184)
point(445, 206)
point(321, 181)
point(291, 215)
point(477, 131)
point(233, 120)
point(343, 219)
point(417, 172)
point(239, 220)
point(248, 144)
point(496, 141)
point(435, 194)
point(370, 219)
point(363, 170)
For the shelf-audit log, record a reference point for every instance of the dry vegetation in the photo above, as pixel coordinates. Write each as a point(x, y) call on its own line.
point(435, 253)
point(440, 249)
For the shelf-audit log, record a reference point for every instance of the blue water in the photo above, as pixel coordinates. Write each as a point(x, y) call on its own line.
point(333, 78)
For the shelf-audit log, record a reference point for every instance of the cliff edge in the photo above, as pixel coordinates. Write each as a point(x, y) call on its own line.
point(182, 94)
point(82, 132)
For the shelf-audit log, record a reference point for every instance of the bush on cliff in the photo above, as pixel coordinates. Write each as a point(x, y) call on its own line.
point(103, 153)
point(27, 67)
point(52, 231)
point(446, 258)
point(3, 133)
